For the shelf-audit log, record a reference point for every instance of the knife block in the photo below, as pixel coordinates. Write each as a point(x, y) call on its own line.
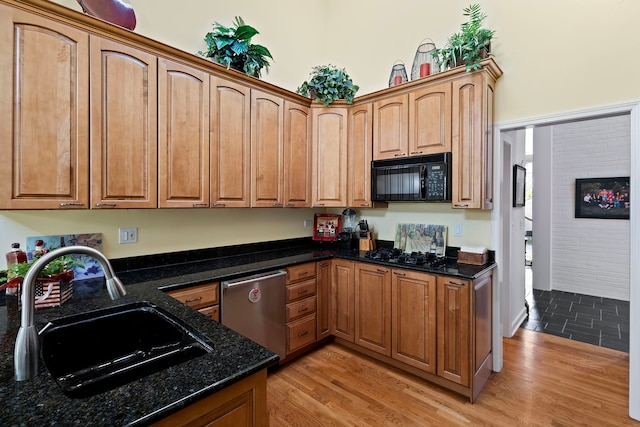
point(367, 243)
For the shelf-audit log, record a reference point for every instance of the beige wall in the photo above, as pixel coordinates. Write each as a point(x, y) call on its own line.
point(556, 56)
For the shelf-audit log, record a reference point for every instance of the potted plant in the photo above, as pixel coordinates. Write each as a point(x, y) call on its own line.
point(232, 47)
point(328, 83)
point(55, 276)
point(470, 45)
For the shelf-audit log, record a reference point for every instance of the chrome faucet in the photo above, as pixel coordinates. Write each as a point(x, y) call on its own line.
point(27, 349)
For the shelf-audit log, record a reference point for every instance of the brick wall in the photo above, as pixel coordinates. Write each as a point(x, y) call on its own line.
point(589, 256)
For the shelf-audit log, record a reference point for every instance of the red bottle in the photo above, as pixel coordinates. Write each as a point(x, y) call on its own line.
point(15, 256)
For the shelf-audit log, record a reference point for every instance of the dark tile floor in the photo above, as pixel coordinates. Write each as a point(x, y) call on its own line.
point(594, 320)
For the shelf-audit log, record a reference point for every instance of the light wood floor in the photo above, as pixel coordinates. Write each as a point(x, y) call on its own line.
point(545, 381)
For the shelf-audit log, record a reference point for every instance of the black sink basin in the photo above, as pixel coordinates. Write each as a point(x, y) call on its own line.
point(100, 350)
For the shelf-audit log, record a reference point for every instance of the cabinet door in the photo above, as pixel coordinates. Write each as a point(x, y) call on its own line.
point(124, 135)
point(373, 308)
point(430, 120)
point(360, 155)
point(267, 168)
point(297, 155)
point(230, 144)
point(414, 319)
point(183, 136)
point(468, 144)
point(343, 300)
point(454, 339)
point(390, 128)
point(329, 168)
point(44, 105)
point(323, 281)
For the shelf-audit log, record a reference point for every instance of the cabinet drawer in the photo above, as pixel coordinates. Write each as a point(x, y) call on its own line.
point(198, 296)
point(301, 272)
point(301, 290)
point(212, 312)
point(301, 308)
point(300, 333)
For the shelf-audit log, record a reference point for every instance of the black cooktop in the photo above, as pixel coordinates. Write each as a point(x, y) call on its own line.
point(398, 256)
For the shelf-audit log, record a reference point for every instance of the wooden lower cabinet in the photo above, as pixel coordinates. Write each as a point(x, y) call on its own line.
point(413, 328)
point(373, 307)
point(301, 307)
point(342, 306)
point(453, 329)
point(243, 404)
point(323, 293)
point(204, 298)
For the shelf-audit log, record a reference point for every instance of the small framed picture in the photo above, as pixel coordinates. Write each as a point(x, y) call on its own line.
point(605, 198)
point(519, 178)
point(326, 227)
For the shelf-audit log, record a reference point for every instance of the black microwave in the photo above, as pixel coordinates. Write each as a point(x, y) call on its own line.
point(412, 179)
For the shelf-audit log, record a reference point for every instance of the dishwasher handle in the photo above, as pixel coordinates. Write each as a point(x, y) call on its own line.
point(256, 277)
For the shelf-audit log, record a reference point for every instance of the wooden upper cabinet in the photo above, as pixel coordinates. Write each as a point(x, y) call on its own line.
point(454, 329)
point(183, 136)
point(390, 127)
point(360, 155)
point(267, 169)
point(469, 143)
point(44, 105)
point(430, 120)
point(124, 135)
point(329, 167)
point(297, 155)
point(414, 319)
point(230, 143)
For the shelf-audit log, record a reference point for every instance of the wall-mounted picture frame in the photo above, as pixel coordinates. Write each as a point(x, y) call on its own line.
point(604, 198)
point(519, 185)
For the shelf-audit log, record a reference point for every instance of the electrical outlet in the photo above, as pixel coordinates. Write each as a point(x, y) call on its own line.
point(457, 230)
point(128, 235)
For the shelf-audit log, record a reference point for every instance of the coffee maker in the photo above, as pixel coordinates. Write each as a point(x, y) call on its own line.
point(348, 238)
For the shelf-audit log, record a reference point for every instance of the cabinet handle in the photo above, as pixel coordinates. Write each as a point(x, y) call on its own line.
point(301, 334)
point(302, 310)
point(187, 301)
point(319, 204)
point(382, 271)
point(303, 273)
point(399, 274)
point(277, 205)
point(400, 155)
point(365, 205)
point(219, 205)
point(199, 205)
point(105, 205)
point(462, 205)
point(416, 152)
point(457, 283)
point(291, 205)
point(303, 291)
point(72, 205)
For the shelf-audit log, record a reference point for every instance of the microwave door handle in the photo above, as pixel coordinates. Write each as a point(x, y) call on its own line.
point(423, 182)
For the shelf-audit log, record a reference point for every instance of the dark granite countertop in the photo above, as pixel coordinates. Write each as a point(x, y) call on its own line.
point(41, 402)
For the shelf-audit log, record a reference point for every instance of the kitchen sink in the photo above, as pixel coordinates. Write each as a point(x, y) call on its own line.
point(97, 351)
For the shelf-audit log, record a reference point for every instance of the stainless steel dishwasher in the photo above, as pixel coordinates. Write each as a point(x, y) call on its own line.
point(255, 307)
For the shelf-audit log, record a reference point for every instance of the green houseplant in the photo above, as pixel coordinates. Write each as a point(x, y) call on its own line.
point(328, 83)
point(232, 47)
point(60, 268)
point(470, 45)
